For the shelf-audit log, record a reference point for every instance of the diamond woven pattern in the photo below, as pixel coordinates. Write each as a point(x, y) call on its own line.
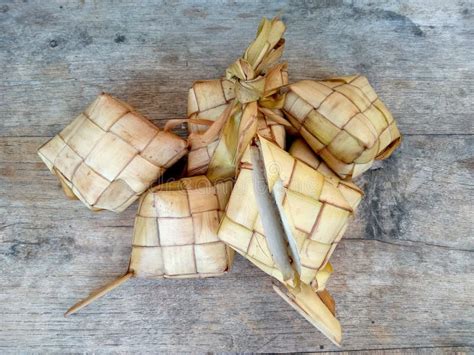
point(344, 121)
point(316, 210)
point(110, 154)
point(175, 234)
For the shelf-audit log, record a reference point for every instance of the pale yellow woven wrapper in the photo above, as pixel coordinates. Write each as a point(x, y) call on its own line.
point(317, 212)
point(343, 121)
point(175, 234)
point(110, 154)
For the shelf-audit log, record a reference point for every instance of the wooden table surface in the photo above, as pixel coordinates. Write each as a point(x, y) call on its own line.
point(404, 274)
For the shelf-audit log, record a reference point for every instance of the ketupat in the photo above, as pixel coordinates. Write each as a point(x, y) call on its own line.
point(316, 210)
point(245, 102)
point(253, 228)
point(175, 234)
point(343, 121)
point(110, 154)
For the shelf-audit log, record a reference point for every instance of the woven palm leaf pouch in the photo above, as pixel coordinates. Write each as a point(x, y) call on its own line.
point(343, 121)
point(313, 215)
point(175, 233)
point(224, 114)
point(110, 154)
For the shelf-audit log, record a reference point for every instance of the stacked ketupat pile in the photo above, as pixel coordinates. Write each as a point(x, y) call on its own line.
point(285, 211)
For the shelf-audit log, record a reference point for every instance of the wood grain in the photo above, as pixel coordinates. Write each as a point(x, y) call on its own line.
point(404, 272)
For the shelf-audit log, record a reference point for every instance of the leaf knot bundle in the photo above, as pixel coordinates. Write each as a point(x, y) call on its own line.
point(251, 88)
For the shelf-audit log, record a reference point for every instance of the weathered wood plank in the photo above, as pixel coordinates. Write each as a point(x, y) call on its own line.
point(396, 285)
point(404, 272)
point(431, 351)
point(422, 194)
point(417, 183)
point(57, 57)
point(409, 306)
